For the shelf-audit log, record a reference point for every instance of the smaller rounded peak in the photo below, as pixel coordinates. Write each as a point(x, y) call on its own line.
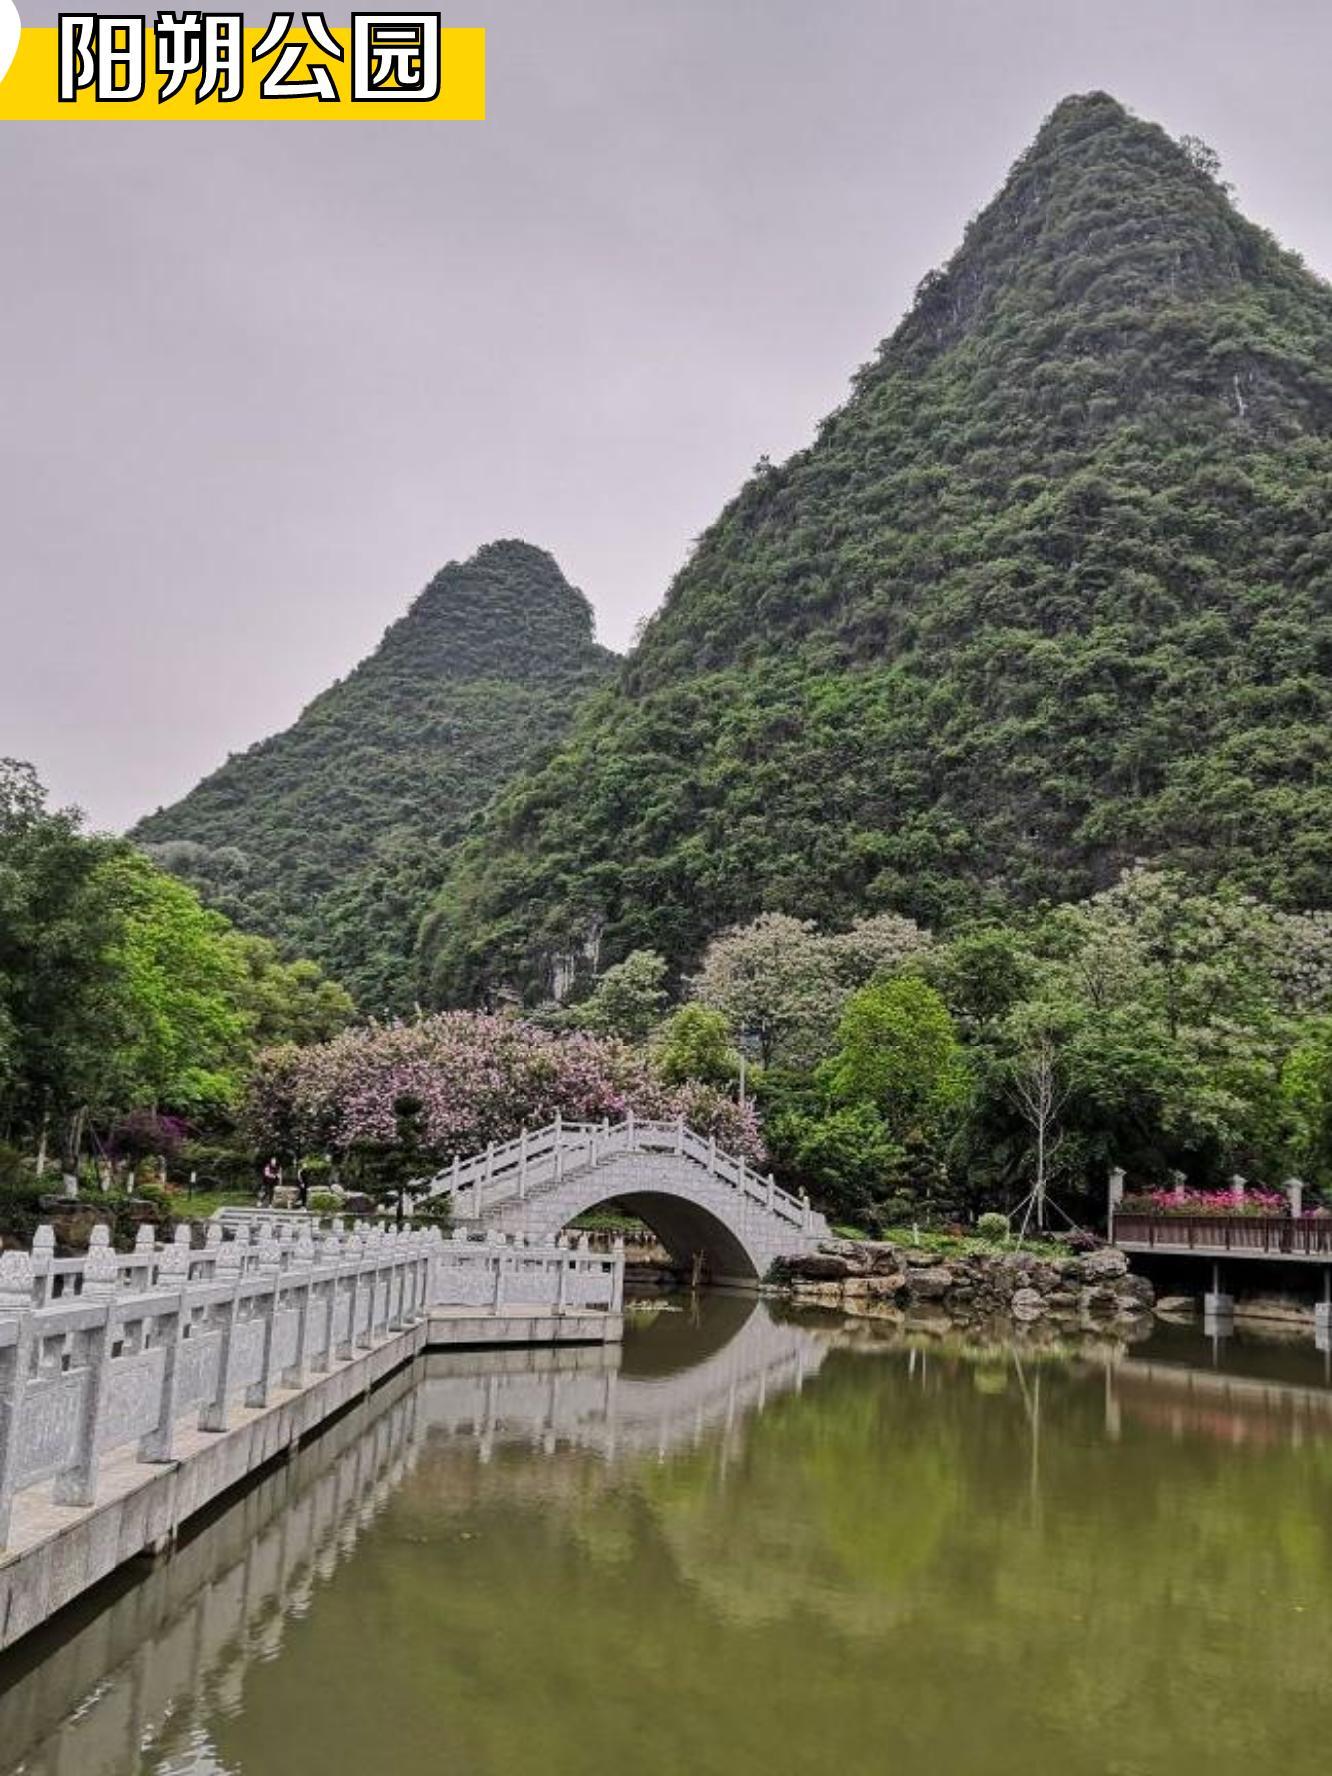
point(514, 551)
point(507, 611)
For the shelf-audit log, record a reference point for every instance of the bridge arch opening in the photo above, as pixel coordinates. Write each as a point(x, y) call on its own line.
point(687, 1229)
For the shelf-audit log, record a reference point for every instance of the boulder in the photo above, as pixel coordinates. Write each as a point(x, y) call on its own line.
point(1104, 1266)
point(886, 1288)
point(1101, 1300)
point(823, 1267)
point(887, 1261)
point(824, 1293)
point(1136, 1291)
point(930, 1285)
point(1027, 1304)
point(1177, 1307)
point(921, 1260)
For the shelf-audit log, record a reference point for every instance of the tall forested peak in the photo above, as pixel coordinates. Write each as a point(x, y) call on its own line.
point(1109, 294)
point(328, 836)
point(508, 612)
point(1050, 592)
point(1102, 213)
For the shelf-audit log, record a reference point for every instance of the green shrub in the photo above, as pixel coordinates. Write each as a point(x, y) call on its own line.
point(218, 1167)
point(433, 1211)
point(323, 1202)
point(993, 1227)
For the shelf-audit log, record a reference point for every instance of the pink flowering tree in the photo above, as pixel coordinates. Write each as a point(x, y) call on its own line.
point(478, 1078)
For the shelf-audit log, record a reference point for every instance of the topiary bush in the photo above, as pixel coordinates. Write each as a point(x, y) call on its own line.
point(993, 1227)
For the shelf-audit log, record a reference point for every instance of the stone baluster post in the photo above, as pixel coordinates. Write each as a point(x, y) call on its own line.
point(1237, 1187)
point(268, 1267)
point(1116, 1196)
point(230, 1270)
point(772, 1193)
point(712, 1156)
point(806, 1213)
point(144, 1267)
point(77, 1484)
point(302, 1268)
point(744, 1169)
point(398, 1285)
point(522, 1162)
point(559, 1146)
point(43, 1258)
point(16, 1309)
point(212, 1249)
point(679, 1134)
point(318, 1348)
point(365, 1286)
point(617, 1276)
point(173, 1280)
point(566, 1259)
point(497, 1298)
point(1295, 1197)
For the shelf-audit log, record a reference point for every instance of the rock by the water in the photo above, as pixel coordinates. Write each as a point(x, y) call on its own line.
point(1177, 1307)
point(1104, 1266)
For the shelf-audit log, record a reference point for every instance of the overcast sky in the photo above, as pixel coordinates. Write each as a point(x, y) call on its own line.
point(257, 381)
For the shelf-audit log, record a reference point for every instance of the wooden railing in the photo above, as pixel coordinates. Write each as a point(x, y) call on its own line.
point(1275, 1236)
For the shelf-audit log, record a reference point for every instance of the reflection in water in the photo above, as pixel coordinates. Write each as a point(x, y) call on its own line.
point(146, 1668)
point(742, 1545)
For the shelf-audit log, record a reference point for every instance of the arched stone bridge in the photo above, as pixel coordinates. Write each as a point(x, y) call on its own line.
point(694, 1197)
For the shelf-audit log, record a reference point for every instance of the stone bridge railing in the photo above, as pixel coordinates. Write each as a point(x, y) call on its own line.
point(108, 1351)
point(125, 1351)
point(540, 1158)
point(502, 1272)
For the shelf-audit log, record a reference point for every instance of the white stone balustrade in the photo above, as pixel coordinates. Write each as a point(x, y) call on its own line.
point(504, 1272)
point(116, 1350)
point(108, 1351)
point(539, 1158)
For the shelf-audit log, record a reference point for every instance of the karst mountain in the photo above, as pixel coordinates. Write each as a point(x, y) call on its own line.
point(331, 836)
point(1050, 593)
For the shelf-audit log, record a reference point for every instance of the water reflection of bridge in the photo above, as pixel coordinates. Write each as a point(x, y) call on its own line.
point(613, 1402)
point(138, 1667)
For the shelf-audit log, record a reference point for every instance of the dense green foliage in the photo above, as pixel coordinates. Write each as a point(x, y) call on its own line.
point(330, 837)
point(120, 991)
point(1154, 1026)
point(1048, 594)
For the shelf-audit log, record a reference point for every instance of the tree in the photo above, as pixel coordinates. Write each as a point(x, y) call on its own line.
point(695, 1043)
point(184, 1031)
point(846, 1158)
point(1040, 1089)
point(876, 946)
point(628, 999)
point(773, 981)
point(897, 1050)
point(1202, 155)
point(58, 994)
point(286, 1001)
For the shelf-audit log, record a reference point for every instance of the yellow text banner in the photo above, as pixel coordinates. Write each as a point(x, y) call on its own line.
point(31, 90)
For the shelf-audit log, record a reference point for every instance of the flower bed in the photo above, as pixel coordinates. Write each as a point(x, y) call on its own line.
point(1204, 1202)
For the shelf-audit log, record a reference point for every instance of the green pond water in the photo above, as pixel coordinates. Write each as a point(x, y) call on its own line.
point(746, 1543)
